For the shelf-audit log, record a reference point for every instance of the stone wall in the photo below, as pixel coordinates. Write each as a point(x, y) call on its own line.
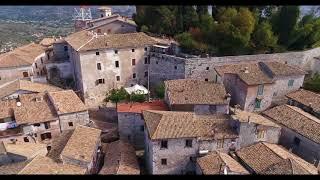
point(203, 68)
point(165, 67)
point(248, 134)
point(131, 127)
point(177, 155)
point(10, 74)
point(281, 87)
point(307, 149)
point(115, 27)
point(79, 118)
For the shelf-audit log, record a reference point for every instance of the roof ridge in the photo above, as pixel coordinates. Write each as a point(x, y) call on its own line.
point(86, 43)
point(304, 114)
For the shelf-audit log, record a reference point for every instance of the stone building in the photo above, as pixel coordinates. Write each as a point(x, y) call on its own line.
point(287, 78)
point(197, 96)
point(120, 60)
point(82, 148)
point(254, 86)
point(300, 131)
point(120, 159)
point(21, 62)
point(248, 85)
point(253, 128)
point(109, 23)
point(69, 108)
point(271, 159)
point(41, 117)
point(217, 163)
point(173, 139)
point(306, 100)
point(131, 123)
point(72, 152)
point(13, 89)
point(11, 152)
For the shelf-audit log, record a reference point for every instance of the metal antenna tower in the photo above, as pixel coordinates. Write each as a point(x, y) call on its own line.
point(83, 13)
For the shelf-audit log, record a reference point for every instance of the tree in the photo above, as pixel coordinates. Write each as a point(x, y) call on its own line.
point(186, 42)
point(233, 31)
point(202, 10)
point(313, 84)
point(263, 38)
point(137, 97)
point(284, 22)
point(116, 95)
point(190, 17)
point(160, 90)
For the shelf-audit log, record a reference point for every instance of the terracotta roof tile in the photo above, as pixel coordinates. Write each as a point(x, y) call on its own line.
point(45, 165)
point(266, 158)
point(13, 168)
point(214, 162)
point(27, 150)
point(139, 107)
point(85, 41)
point(120, 158)
point(306, 98)
point(21, 56)
point(6, 108)
point(254, 76)
point(67, 102)
point(171, 124)
point(82, 144)
point(35, 108)
point(25, 85)
point(186, 91)
point(243, 116)
point(280, 69)
point(297, 120)
point(58, 145)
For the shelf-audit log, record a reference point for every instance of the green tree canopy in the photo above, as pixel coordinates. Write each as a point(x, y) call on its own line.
point(263, 38)
point(116, 95)
point(313, 84)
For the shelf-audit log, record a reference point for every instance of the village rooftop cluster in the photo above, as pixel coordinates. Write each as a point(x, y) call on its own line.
point(218, 115)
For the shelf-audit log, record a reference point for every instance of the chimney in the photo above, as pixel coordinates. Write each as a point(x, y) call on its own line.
point(246, 70)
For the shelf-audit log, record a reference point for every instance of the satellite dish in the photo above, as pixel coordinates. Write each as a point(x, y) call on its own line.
point(19, 104)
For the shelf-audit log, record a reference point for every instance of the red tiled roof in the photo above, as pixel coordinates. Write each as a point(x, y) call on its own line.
point(139, 107)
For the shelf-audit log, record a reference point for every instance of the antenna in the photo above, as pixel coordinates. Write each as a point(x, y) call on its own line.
point(83, 14)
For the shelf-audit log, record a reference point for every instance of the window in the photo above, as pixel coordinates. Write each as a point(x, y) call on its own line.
point(122, 25)
point(116, 51)
point(48, 56)
point(175, 67)
point(220, 143)
point(97, 53)
point(260, 134)
point(206, 79)
point(47, 125)
point(258, 103)
point(25, 74)
point(100, 81)
point(146, 74)
point(70, 124)
point(41, 61)
point(37, 125)
point(98, 30)
point(145, 49)
point(296, 141)
point(132, 50)
point(118, 78)
point(99, 66)
point(142, 128)
point(133, 62)
point(163, 161)
point(117, 63)
point(36, 65)
point(109, 31)
point(156, 62)
point(260, 89)
point(275, 94)
point(48, 148)
point(35, 135)
point(134, 75)
point(189, 143)
point(207, 68)
point(65, 48)
point(101, 15)
point(38, 73)
point(290, 83)
point(145, 60)
point(164, 144)
point(45, 136)
point(25, 139)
